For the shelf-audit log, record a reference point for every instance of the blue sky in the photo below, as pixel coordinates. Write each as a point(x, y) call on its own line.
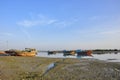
point(60, 24)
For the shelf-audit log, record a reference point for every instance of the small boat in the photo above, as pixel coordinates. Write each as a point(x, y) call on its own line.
point(2, 53)
point(84, 53)
point(26, 52)
point(51, 52)
point(67, 53)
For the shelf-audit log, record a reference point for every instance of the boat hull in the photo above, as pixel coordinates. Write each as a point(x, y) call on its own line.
point(24, 53)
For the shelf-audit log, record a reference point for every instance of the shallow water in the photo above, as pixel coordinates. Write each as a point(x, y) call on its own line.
point(108, 57)
point(50, 66)
point(111, 57)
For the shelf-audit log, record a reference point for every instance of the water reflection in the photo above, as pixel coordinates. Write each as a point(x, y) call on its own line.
point(112, 57)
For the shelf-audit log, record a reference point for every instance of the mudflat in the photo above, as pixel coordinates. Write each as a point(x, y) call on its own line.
point(35, 68)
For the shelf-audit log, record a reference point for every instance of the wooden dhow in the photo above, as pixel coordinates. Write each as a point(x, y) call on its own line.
point(26, 52)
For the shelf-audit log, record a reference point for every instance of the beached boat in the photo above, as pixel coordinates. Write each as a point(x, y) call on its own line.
point(26, 52)
point(2, 52)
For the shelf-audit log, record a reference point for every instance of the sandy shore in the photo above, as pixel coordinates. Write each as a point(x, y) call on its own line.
point(34, 68)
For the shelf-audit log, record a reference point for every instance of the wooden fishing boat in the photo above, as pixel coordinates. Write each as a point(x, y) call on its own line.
point(67, 53)
point(84, 53)
point(26, 52)
point(2, 52)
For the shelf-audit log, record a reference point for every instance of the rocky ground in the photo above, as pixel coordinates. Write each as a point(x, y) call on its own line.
point(35, 68)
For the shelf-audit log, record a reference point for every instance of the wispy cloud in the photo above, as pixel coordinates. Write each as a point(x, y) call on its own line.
point(100, 17)
point(94, 18)
point(31, 23)
point(70, 22)
point(62, 24)
point(6, 34)
point(40, 20)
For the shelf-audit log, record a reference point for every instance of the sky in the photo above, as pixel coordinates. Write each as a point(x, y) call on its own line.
point(59, 24)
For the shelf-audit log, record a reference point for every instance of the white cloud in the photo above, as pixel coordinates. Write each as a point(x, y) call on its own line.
point(40, 20)
point(62, 24)
point(101, 17)
point(71, 22)
point(31, 23)
point(6, 34)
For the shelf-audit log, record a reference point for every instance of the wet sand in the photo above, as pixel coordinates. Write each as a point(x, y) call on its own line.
point(34, 68)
